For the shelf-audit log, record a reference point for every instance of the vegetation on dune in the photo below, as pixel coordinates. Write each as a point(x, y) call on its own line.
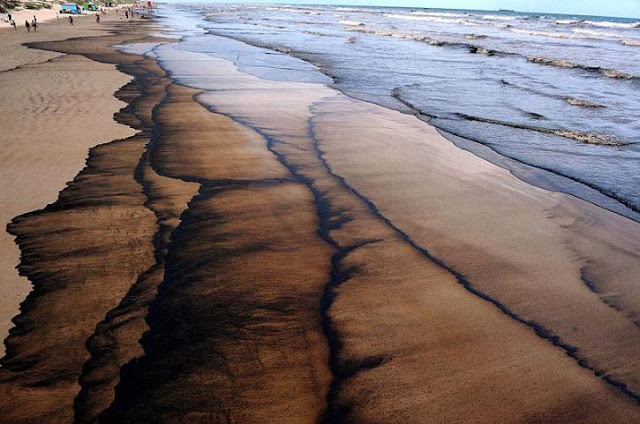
point(32, 5)
point(6, 5)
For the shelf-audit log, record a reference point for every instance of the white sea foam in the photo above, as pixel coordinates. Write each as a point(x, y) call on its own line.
point(569, 21)
point(425, 18)
point(440, 14)
point(631, 42)
point(437, 19)
point(607, 24)
point(500, 18)
point(543, 33)
point(596, 33)
point(352, 23)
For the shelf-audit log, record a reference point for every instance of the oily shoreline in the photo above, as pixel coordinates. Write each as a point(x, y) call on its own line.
point(82, 252)
point(259, 249)
point(535, 174)
point(225, 100)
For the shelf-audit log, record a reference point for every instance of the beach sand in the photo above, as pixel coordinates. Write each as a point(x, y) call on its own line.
point(53, 109)
point(278, 252)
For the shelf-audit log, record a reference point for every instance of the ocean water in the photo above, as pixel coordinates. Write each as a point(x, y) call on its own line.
point(532, 92)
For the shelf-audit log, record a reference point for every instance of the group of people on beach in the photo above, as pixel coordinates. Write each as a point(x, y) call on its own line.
point(29, 25)
point(33, 24)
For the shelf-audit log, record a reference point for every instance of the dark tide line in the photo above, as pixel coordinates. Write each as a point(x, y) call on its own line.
point(540, 330)
point(330, 219)
point(96, 351)
point(593, 287)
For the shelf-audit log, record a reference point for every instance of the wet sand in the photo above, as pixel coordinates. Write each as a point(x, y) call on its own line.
point(278, 252)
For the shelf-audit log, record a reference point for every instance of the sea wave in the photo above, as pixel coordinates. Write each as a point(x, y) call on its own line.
point(352, 23)
point(444, 20)
point(440, 14)
point(500, 17)
point(607, 24)
point(544, 33)
point(560, 63)
point(569, 21)
point(581, 136)
point(582, 103)
point(596, 33)
point(599, 24)
point(426, 18)
point(472, 48)
point(631, 42)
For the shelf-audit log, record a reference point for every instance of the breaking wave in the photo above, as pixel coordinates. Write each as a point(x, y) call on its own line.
point(560, 63)
point(582, 103)
point(352, 23)
point(440, 14)
point(425, 18)
point(544, 33)
point(606, 24)
point(583, 137)
point(599, 24)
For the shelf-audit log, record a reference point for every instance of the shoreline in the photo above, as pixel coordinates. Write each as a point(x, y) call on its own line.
point(238, 263)
point(544, 178)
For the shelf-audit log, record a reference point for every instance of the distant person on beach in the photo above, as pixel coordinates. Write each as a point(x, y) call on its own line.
point(34, 18)
point(97, 18)
point(71, 20)
point(27, 25)
point(34, 24)
point(126, 14)
point(13, 23)
point(9, 16)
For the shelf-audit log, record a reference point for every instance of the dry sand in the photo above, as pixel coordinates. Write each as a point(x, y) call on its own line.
point(53, 108)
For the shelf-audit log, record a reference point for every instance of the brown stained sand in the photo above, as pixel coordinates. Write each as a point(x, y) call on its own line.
point(198, 145)
point(235, 332)
point(115, 341)
point(48, 127)
point(528, 248)
point(51, 113)
point(82, 253)
point(409, 343)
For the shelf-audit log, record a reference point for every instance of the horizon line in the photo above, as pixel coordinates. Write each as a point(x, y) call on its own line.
point(394, 7)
